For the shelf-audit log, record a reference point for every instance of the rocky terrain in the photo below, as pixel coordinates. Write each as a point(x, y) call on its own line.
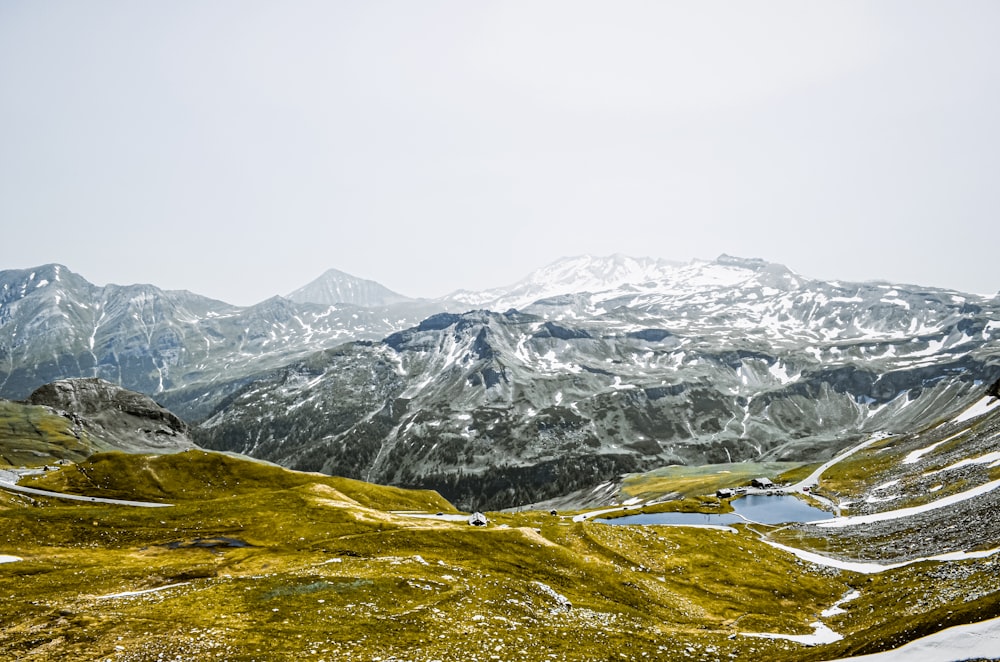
point(718, 362)
point(939, 464)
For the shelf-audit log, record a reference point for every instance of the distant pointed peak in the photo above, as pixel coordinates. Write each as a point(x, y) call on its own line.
point(337, 287)
point(337, 273)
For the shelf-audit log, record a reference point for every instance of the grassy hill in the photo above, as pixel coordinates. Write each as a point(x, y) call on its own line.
point(199, 476)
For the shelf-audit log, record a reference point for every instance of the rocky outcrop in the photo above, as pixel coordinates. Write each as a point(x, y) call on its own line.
point(89, 397)
point(994, 390)
point(115, 418)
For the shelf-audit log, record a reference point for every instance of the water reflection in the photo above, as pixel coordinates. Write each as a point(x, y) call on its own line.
point(755, 508)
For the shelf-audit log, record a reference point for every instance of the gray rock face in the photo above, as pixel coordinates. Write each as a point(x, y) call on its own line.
point(88, 397)
point(115, 418)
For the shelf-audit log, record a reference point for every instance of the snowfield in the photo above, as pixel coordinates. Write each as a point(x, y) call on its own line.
point(915, 456)
point(963, 642)
point(822, 634)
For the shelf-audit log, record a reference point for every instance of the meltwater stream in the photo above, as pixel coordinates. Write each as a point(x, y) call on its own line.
point(760, 509)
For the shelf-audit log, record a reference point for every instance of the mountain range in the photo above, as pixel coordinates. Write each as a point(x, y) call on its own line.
point(584, 370)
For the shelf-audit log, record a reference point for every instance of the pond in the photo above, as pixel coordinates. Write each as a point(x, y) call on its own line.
point(755, 508)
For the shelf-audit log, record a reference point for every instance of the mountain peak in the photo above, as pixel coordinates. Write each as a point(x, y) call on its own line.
point(335, 287)
point(46, 280)
point(576, 274)
point(37, 276)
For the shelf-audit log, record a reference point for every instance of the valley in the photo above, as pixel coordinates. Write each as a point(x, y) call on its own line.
point(313, 464)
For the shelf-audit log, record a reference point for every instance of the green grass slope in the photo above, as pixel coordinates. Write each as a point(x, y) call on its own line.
point(259, 563)
point(198, 475)
point(255, 562)
point(33, 436)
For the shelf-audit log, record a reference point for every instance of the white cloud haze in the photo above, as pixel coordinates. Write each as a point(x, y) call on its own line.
point(239, 149)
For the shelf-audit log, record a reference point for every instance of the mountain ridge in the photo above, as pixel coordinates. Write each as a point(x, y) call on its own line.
point(56, 324)
point(519, 401)
point(705, 361)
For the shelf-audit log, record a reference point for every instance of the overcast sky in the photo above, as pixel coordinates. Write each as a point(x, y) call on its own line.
point(239, 149)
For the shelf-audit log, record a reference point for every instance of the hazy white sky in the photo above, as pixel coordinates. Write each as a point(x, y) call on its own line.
point(238, 149)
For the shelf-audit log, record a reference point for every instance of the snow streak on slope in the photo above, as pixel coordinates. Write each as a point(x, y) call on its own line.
point(908, 512)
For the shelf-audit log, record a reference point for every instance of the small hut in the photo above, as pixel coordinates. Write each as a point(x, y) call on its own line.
point(477, 519)
point(762, 483)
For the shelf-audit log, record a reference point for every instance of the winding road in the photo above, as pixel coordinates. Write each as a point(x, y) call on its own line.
point(6, 484)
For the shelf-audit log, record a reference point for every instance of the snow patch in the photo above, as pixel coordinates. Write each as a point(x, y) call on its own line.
point(129, 594)
point(869, 568)
point(993, 459)
point(842, 522)
point(780, 372)
point(962, 642)
point(977, 409)
point(917, 454)
point(835, 608)
point(821, 635)
point(883, 499)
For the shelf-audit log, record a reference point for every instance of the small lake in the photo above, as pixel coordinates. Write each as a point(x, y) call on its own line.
point(756, 508)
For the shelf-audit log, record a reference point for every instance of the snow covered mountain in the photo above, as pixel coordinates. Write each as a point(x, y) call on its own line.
point(715, 362)
point(607, 365)
point(186, 349)
point(570, 275)
point(335, 287)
